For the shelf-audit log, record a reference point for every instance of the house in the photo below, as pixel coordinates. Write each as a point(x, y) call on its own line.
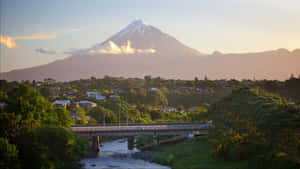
point(2, 106)
point(186, 87)
point(96, 95)
point(202, 90)
point(86, 104)
point(49, 81)
point(154, 89)
point(167, 109)
point(117, 91)
point(113, 96)
point(73, 106)
point(63, 103)
point(71, 94)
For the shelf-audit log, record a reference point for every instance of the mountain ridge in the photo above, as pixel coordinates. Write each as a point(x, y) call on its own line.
point(141, 49)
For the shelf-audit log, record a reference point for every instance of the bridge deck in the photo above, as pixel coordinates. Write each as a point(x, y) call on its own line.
point(138, 129)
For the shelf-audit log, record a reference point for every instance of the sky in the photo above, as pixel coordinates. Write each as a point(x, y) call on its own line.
point(35, 32)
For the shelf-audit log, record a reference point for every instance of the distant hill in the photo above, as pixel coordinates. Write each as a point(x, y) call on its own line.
point(141, 49)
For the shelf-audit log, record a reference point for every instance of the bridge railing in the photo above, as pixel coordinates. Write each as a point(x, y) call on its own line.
point(135, 124)
point(137, 128)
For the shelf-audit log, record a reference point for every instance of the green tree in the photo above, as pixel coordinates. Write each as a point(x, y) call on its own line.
point(30, 104)
point(13, 126)
point(8, 155)
point(158, 98)
point(47, 93)
point(64, 118)
point(97, 113)
point(52, 147)
point(156, 114)
point(251, 123)
point(81, 116)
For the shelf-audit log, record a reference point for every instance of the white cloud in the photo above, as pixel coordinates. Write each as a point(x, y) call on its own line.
point(36, 37)
point(7, 41)
point(113, 48)
point(46, 51)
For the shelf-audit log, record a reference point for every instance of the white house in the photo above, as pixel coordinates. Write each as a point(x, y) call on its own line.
point(86, 103)
point(63, 103)
point(154, 89)
point(95, 95)
point(113, 96)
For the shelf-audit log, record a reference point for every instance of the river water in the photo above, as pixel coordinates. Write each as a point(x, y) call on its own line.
point(115, 154)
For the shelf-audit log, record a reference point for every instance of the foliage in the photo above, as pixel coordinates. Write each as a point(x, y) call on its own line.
point(156, 97)
point(63, 116)
point(199, 114)
point(97, 114)
point(251, 123)
point(51, 147)
point(13, 126)
point(28, 141)
point(81, 116)
point(193, 154)
point(156, 114)
point(8, 155)
point(47, 93)
point(30, 104)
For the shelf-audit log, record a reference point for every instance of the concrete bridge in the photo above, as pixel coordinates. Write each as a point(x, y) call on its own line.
point(130, 130)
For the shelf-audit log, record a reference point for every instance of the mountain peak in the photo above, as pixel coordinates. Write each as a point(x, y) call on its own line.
point(142, 38)
point(137, 22)
point(137, 25)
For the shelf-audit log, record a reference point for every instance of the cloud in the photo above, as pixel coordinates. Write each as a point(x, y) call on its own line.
point(45, 51)
point(113, 48)
point(36, 37)
point(7, 41)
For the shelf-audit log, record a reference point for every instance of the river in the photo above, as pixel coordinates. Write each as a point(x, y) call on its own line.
point(115, 154)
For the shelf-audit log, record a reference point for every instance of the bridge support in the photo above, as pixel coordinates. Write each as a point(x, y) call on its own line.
point(130, 143)
point(96, 141)
point(93, 146)
point(155, 138)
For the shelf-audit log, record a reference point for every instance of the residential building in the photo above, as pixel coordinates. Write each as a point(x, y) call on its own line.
point(63, 103)
point(96, 95)
point(86, 104)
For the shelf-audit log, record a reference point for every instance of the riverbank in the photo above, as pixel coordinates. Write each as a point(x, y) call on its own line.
point(190, 154)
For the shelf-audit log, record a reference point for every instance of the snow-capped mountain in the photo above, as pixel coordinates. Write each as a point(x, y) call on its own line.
point(142, 38)
point(141, 49)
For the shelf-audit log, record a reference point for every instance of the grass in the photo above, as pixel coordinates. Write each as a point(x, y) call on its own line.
point(193, 154)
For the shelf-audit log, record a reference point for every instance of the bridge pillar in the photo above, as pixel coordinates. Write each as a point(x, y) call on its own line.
point(155, 138)
point(96, 141)
point(93, 146)
point(130, 143)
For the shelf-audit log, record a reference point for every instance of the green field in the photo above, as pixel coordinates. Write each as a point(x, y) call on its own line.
point(193, 154)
